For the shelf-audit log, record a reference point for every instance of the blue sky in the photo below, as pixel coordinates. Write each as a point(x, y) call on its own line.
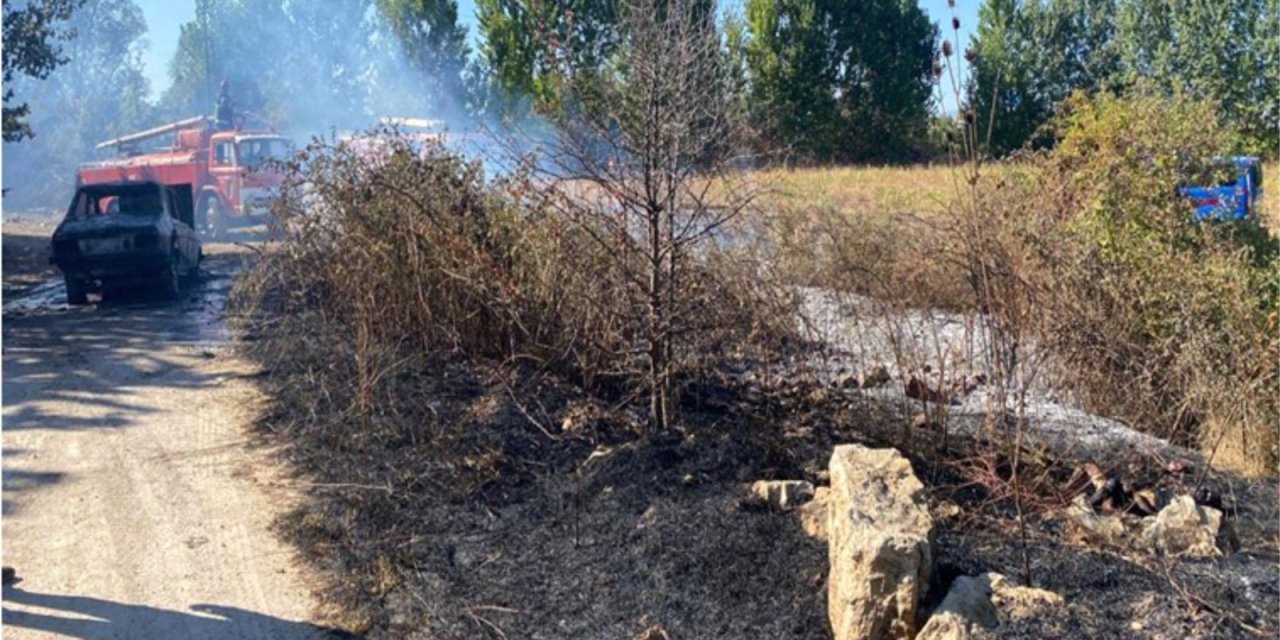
point(165, 16)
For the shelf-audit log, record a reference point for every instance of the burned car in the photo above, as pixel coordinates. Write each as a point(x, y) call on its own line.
point(124, 235)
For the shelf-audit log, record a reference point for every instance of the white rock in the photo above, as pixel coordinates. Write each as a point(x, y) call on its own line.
point(783, 494)
point(1088, 525)
point(1184, 529)
point(1017, 601)
point(982, 602)
point(813, 514)
point(879, 531)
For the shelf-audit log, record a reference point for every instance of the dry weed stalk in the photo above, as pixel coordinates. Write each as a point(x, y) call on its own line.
point(1006, 302)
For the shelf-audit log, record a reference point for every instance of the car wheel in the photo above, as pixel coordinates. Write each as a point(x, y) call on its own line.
point(77, 293)
point(170, 282)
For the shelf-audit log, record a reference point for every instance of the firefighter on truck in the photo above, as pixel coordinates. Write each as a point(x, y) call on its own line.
point(225, 110)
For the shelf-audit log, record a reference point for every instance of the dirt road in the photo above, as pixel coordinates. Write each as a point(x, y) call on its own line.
point(133, 505)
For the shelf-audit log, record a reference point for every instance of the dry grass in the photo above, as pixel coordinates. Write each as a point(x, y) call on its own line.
point(462, 492)
point(877, 231)
point(894, 234)
point(26, 254)
point(919, 190)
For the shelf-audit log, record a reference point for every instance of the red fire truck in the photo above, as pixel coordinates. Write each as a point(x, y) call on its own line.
point(222, 173)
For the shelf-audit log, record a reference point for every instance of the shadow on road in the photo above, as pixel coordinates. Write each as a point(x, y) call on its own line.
point(96, 367)
point(97, 356)
point(82, 617)
point(16, 481)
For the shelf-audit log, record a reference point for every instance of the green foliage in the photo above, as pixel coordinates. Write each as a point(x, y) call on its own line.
point(431, 38)
point(841, 79)
point(529, 46)
point(99, 93)
point(1228, 52)
point(286, 62)
point(31, 37)
point(1031, 55)
point(1161, 321)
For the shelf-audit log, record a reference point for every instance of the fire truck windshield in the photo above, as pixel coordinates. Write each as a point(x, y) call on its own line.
point(253, 152)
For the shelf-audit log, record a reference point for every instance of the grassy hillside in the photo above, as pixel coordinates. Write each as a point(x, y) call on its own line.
point(919, 190)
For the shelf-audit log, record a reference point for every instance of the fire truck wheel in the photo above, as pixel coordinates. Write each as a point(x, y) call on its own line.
point(76, 292)
point(211, 221)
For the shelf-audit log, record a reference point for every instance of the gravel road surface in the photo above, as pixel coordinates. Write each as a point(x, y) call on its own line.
point(134, 504)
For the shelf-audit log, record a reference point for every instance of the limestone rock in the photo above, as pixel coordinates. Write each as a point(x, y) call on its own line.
point(655, 632)
point(1184, 529)
point(813, 514)
point(1017, 601)
point(783, 494)
point(879, 531)
point(981, 602)
point(1087, 525)
point(968, 604)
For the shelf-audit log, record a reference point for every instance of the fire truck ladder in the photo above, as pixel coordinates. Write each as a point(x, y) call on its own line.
point(128, 142)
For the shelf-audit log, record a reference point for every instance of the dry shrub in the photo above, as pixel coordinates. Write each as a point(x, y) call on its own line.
point(1149, 317)
point(395, 248)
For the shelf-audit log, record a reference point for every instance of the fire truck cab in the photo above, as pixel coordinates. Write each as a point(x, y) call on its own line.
point(222, 175)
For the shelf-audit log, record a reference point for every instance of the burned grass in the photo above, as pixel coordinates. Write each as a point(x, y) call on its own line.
point(484, 500)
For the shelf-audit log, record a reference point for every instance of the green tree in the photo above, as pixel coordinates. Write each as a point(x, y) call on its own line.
point(294, 64)
point(1227, 51)
point(529, 46)
point(846, 80)
point(1030, 56)
point(231, 40)
point(434, 43)
point(99, 93)
point(31, 37)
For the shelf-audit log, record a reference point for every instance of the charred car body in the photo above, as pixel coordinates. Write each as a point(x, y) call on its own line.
point(121, 235)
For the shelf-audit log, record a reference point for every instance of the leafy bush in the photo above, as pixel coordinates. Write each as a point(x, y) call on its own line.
point(1159, 321)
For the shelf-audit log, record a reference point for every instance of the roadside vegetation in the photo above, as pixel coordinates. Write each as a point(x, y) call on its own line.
point(526, 403)
point(463, 366)
point(1166, 325)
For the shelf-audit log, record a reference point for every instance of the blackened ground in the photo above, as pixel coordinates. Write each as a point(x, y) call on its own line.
point(476, 501)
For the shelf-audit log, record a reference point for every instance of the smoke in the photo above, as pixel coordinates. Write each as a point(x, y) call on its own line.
point(313, 68)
